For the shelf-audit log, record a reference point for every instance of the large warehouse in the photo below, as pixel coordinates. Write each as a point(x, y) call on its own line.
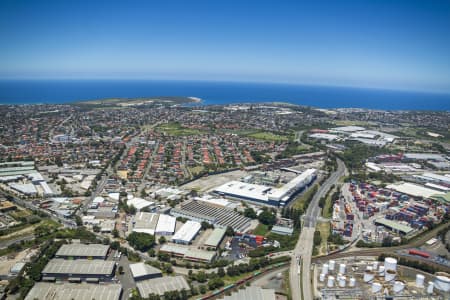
point(67, 291)
point(166, 225)
point(161, 285)
point(267, 195)
point(78, 270)
point(218, 216)
point(142, 271)
point(86, 251)
point(186, 233)
point(144, 222)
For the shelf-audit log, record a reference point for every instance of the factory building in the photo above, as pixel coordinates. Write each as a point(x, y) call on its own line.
point(267, 195)
point(187, 233)
point(166, 225)
point(78, 270)
point(215, 238)
point(161, 285)
point(83, 251)
point(142, 271)
point(67, 291)
point(218, 216)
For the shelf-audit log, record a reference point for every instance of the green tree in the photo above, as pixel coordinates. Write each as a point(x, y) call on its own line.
point(141, 241)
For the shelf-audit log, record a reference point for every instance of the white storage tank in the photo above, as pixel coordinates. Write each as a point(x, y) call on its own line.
point(420, 280)
point(381, 271)
point(375, 265)
point(342, 280)
point(330, 282)
point(342, 268)
point(398, 286)
point(376, 287)
point(430, 287)
point(368, 276)
point(389, 275)
point(325, 269)
point(331, 265)
point(390, 263)
point(322, 277)
point(442, 283)
point(369, 268)
point(352, 282)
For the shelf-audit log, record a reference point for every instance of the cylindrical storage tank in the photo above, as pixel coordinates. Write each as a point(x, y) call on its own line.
point(390, 263)
point(368, 276)
point(369, 268)
point(331, 265)
point(352, 282)
point(330, 282)
point(342, 268)
point(430, 287)
point(398, 286)
point(375, 265)
point(420, 280)
point(389, 275)
point(381, 271)
point(442, 283)
point(322, 277)
point(325, 269)
point(376, 287)
point(342, 280)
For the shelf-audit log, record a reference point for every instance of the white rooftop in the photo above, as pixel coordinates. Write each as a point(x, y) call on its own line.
point(414, 190)
point(166, 223)
point(187, 232)
point(139, 203)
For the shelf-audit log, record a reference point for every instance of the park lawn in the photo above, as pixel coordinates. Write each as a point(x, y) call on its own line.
point(261, 229)
point(324, 229)
point(176, 129)
point(268, 136)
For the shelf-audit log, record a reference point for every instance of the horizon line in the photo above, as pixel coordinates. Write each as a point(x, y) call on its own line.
point(290, 83)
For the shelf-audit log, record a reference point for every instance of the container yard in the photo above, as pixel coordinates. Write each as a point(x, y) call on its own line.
point(377, 213)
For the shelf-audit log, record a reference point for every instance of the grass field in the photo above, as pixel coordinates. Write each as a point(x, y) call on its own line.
point(326, 211)
point(261, 229)
point(176, 129)
point(324, 229)
point(268, 136)
point(300, 201)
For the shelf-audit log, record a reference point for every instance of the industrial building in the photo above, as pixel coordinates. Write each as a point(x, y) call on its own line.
point(142, 271)
point(187, 233)
point(282, 230)
point(67, 291)
point(144, 222)
point(161, 285)
point(78, 270)
point(252, 292)
point(267, 195)
point(84, 251)
point(166, 225)
point(188, 253)
point(139, 203)
point(215, 238)
point(220, 217)
point(394, 226)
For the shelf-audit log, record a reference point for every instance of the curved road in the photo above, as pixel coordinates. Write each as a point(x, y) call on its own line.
point(304, 246)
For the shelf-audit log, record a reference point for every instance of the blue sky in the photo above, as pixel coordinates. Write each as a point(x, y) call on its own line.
point(386, 44)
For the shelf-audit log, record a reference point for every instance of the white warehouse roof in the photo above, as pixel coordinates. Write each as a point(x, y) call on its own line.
point(166, 224)
point(414, 190)
point(187, 232)
point(139, 203)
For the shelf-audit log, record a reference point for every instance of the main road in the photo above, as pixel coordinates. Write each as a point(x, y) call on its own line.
point(303, 249)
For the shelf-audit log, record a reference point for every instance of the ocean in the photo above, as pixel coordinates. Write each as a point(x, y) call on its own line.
point(64, 91)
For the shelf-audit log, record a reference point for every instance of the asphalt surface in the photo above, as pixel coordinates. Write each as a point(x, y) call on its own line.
point(304, 247)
